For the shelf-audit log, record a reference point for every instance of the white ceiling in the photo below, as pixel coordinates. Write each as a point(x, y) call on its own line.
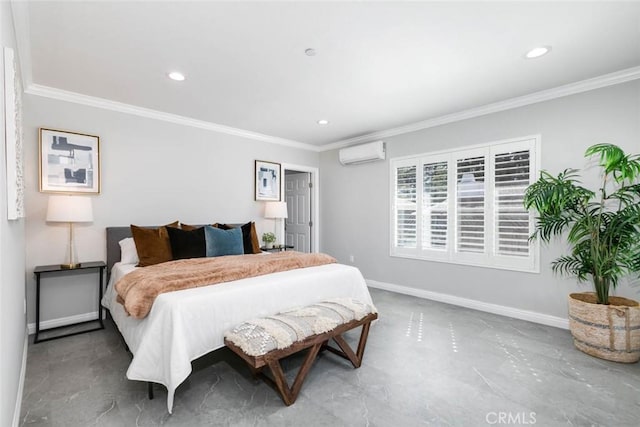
point(379, 65)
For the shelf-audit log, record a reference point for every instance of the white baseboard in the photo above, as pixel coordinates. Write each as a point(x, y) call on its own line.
point(63, 321)
point(502, 310)
point(23, 373)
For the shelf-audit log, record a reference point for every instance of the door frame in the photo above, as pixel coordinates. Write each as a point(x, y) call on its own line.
point(314, 212)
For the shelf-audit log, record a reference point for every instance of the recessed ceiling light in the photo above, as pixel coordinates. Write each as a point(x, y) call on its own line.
point(310, 52)
point(537, 52)
point(174, 75)
point(323, 122)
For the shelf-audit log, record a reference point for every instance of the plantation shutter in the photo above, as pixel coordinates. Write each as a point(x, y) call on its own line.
point(465, 205)
point(434, 205)
point(406, 231)
point(470, 209)
point(511, 178)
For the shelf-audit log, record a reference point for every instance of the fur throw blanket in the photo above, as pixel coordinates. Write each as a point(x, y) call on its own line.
point(138, 290)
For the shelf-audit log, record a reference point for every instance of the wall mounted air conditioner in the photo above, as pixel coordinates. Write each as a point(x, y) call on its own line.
point(369, 152)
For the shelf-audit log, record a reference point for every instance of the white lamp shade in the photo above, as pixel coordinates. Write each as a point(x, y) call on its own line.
point(64, 208)
point(276, 210)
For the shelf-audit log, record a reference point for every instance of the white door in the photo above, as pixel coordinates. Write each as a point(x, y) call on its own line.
point(297, 194)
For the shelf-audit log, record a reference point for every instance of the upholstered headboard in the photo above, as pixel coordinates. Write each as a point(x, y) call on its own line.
point(114, 235)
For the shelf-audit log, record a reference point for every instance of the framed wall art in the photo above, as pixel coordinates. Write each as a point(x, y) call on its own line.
point(267, 175)
point(69, 162)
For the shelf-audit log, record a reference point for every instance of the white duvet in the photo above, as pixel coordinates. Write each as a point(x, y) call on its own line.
point(187, 324)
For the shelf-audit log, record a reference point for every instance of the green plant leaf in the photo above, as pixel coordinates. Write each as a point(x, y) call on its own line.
point(615, 162)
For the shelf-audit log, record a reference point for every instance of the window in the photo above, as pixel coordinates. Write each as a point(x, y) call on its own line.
point(465, 206)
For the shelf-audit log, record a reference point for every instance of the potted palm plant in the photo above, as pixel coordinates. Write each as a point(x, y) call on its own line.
point(603, 231)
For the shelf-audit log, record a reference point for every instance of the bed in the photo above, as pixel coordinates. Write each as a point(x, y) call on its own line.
point(185, 325)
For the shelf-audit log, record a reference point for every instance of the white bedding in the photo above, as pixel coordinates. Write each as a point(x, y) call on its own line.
point(187, 324)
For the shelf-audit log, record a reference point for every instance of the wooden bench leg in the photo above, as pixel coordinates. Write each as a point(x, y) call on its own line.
point(289, 395)
point(363, 341)
point(347, 352)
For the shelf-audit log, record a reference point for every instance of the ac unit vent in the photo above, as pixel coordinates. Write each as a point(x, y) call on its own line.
point(369, 152)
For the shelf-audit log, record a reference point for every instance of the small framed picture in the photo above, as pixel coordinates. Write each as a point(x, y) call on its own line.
point(69, 162)
point(267, 180)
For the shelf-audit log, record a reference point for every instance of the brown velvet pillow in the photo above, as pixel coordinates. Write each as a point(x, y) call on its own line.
point(152, 244)
point(255, 243)
point(249, 236)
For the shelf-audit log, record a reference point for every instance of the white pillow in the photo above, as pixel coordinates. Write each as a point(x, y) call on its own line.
point(128, 251)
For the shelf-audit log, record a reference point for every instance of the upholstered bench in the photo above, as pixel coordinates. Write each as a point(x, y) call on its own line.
point(265, 341)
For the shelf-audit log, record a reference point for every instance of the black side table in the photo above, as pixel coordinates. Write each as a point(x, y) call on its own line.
point(44, 269)
point(278, 248)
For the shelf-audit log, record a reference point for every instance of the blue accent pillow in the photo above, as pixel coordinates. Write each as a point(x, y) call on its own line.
point(221, 242)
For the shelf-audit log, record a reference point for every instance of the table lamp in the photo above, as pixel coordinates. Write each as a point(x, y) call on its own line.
point(276, 211)
point(71, 209)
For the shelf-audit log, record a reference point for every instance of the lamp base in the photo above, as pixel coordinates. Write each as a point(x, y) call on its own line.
point(70, 266)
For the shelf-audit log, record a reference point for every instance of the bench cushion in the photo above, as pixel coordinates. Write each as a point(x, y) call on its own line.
point(258, 337)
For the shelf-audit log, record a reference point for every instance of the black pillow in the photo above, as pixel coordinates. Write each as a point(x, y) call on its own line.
point(249, 237)
point(187, 244)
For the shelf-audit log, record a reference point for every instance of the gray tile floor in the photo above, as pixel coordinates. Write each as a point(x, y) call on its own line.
point(426, 363)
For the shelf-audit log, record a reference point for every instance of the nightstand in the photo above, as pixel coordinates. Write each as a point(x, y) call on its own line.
point(48, 269)
point(278, 248)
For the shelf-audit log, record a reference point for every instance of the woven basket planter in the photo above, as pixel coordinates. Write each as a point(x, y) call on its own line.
point(610, 332)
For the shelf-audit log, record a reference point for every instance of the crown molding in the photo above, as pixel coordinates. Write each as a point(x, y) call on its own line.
point(610, 79)
point(106, 104)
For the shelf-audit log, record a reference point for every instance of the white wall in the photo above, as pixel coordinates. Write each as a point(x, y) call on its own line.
point(355, 208)
point(153, 172)
point(12, 268)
